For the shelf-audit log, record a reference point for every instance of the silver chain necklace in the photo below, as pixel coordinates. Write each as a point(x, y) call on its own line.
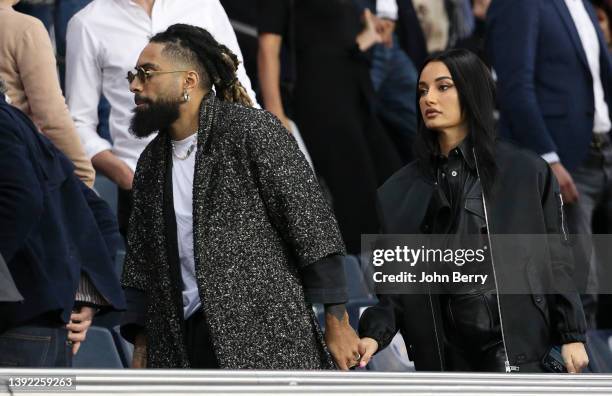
point(189, 151)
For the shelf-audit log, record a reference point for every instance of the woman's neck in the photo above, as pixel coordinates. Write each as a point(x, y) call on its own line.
point(451, 138)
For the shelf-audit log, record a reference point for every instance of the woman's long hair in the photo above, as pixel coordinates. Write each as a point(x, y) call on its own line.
point(476, 91)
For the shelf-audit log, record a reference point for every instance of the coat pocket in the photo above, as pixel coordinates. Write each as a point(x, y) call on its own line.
point(537, 290)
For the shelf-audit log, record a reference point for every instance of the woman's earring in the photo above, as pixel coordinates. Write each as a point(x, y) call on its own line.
point(186, 96)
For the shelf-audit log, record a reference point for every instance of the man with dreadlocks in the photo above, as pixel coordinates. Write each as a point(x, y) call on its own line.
point(230, 239)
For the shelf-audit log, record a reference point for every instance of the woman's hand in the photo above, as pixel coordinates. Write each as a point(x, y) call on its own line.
point(367, 347)
point(575, 357)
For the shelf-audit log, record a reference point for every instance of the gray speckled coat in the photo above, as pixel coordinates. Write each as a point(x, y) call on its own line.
point(259, 216)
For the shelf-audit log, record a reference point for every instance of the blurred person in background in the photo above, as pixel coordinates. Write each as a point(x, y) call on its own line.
point(104, 40)
point(465, 182)
point(230, 240)
point(554, 77)
point(59, 241)
point(475, 42)
point(333, 101)
point(28, 66)
point(393, 76)
point(603, 9)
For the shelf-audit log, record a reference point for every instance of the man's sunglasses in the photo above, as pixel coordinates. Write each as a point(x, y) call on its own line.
point(143, 75)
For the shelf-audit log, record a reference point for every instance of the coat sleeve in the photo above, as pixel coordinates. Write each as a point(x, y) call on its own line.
point(512, 46)
point(135, 279)
point(567, 316)
point(290, 191)
point(379, 321)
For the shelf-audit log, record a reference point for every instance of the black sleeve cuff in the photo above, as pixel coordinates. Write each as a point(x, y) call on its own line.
point(325, 282)
point(133, 320)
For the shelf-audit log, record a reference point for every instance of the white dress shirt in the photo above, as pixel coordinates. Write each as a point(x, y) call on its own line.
point(104, 41)
point(590, 44)
point(182, 195)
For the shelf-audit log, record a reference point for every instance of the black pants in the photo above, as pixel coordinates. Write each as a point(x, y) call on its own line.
point(197, 340)
point(473, 333)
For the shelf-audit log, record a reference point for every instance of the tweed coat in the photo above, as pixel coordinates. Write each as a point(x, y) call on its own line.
point(259, 216)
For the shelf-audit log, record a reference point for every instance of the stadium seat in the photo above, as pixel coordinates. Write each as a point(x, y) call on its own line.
point(107, 190)
point(98, 350)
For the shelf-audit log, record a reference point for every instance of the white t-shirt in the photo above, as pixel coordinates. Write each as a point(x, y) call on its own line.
point(182, 194)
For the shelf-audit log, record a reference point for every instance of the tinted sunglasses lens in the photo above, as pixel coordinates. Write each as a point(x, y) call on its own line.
point(140, 73)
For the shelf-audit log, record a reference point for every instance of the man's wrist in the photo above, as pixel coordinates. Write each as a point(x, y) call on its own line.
point(336, 311)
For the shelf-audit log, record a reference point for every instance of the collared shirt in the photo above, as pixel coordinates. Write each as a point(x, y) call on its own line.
point(590, 44)
point(452, 175)
point(104, 41)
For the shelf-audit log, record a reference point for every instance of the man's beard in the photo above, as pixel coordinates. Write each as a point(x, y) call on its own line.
point(154, 116)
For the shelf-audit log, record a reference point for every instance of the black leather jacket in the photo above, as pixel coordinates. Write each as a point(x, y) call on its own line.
point(526, 200)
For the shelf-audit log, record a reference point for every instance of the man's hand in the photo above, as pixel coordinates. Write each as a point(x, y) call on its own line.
point(139, 357)
point(115, 169)
point(575, 357)
point(385, 28)
point(367, 347)
point(369, 35)
point(568, 188)
point(340, 337)
point(78, 326)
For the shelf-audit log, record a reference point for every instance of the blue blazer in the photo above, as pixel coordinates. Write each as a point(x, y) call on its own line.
point(545, 87)
point(52, 226)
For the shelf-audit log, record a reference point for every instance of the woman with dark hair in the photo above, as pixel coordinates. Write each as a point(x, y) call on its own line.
point(464, 182)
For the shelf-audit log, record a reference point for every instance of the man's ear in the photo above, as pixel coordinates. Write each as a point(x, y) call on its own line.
point(192, 80)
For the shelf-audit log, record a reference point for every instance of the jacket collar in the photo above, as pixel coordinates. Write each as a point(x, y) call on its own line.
point(464, 149)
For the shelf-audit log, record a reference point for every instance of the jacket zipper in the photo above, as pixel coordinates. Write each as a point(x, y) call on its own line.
point(509, 368)
point(563, 227)
point(433, 317)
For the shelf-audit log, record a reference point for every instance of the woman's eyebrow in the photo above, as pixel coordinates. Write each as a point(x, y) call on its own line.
point(443, 78)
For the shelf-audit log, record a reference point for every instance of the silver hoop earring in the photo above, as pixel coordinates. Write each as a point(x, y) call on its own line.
point(186, 96)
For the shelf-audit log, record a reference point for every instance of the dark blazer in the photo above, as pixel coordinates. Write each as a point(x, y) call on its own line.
point(52, 226)
point(525, 201)
point(545, 88)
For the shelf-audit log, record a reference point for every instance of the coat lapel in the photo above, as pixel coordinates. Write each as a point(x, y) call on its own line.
point(566, 17)
point(205, 156)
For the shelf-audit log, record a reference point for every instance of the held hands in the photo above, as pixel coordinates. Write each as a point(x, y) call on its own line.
point(77, 327)
point(341, 339)
point(575, 357)
point(367, 347)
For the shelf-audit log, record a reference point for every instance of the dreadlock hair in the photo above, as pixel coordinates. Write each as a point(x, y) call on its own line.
point(213, 61)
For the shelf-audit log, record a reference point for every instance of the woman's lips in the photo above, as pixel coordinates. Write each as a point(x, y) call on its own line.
point(431, 113)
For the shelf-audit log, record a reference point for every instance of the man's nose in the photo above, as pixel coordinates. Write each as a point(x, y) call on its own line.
point(135, 85)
